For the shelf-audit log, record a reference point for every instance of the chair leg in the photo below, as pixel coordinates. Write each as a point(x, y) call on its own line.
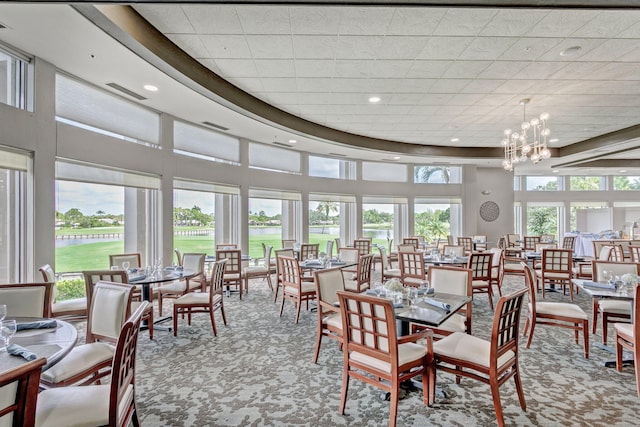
point(594, 314)
point(490, 293)
point(495, 393)
point(516, 378)
point(585, 331)
point(213, 322)
point(636, 361)
point(175, 321)
point(345, 389)
point(134, 416)
point(298, 307)
point(159, 304)
point(316, 352)
point(150, 323)
point(282, 305)
point(275, 297)
point(605, 332)
point(393, 404)
point(618, 354)
point(224, 318)
point(533, 326)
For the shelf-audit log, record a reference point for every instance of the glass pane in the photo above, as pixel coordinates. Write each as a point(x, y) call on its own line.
point(194, 221)
point(325, 167)
point(437, 174)
point(12, 225)
point(626, 183)
point(377, 222)
point(585, 183)
point(12, 81)
point(542, 183)
point(432, 221)
point(194, 140)
point(262, 156)
point(390, 172)
point(265, 225)
point(542, 220)
point(324, 223)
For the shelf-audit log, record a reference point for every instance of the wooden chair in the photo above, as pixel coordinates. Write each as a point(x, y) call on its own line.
point(27, 299)
point(232, 269)
point(373, 352)
point(293, 287)
point(413, 241)
point(117, 260)
point(512, 265)
point(634, 253)
point(363, 246)
point(288, 243)
point(74, 308)
point(329, 249)
point(387, 272)
point(178, 256)
point(91, 278)
point(20, 392)
point(259, 271)
point(569, 242)
point(480, 265)
point(280, 253)
point(456, 250)
point(540, 246)
point(87, 363)
point(362, 280)
point(309, 251)
point(192, 262)
point(349, 255)
point(584, 270)
point(405, 248)
point(412, 268)
point(530, 242)
point(513, 241)
point(617, 254)
point(480, 241)
point(612, 310)
point(496, 268)
point(628, 337)
point(559, 314)
point(466, 243)
point(113, 404)
point(491, 362)
point(226, 246)
point(456, 281)
point(555, 270)
point(328, 282)
point(203, 302)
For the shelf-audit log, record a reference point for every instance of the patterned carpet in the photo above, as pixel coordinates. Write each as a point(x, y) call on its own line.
point(258, 371)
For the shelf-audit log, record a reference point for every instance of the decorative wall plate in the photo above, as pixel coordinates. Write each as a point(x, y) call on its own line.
point(489, 211)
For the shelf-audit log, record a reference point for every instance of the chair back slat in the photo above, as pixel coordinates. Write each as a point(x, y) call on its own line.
point(413, 241)
point(466, 243)
point(27, 299)
point(19, 393)
point(109, 309)
point(412, 267)
point(92, 277)
point(328, 282)
point(480, 265)
point(569, 242)
point(234, 260)
point(309, 251)
point(133, 259)
point(217, 278)
point(613, 268)
point(557, 260)
point(504, 334)
point(530, 242)
point(363, 246)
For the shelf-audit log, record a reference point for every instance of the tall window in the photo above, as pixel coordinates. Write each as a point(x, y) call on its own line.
point(14, 80)
point(388, 172)
point(589, 216)
point(436, 218)
point(103, 211)
point(543, 218)
point(328, 217)
point(543, 183)
point(437, 174)
point(380, 217)
point(587, 183)
point(194, 221)
point(15, 184)
point(195, 141)
point(273, 216)
point(626, 183)
point(325, 167)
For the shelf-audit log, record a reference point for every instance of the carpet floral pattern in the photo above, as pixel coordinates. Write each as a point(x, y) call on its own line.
point(258, 372)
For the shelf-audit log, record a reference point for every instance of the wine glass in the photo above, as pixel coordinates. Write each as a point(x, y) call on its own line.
point(7, 330)
point(3, 311)
point(412, 296)
point(424, 286)
point(125, 265)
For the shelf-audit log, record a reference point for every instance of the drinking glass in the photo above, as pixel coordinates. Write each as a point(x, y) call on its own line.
point(125, 265)
point(425, 286)
point(7, 330)
point(3, 311)
point(412, 296)
point(377, 288)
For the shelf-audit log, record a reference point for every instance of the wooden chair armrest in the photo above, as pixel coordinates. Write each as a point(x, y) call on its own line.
point(426, 334)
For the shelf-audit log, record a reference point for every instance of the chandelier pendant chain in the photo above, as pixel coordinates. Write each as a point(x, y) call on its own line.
point(518, 147)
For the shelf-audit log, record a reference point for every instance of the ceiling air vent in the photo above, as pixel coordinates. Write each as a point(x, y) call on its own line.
point(132, 94)
point(282, 144)
point(213, 125)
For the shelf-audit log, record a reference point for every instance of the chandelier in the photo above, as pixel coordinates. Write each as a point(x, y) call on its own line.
point(531, 142)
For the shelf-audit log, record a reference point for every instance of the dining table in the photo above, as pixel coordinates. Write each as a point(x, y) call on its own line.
point(429, 310)
point(440, 260)
point(51, 343)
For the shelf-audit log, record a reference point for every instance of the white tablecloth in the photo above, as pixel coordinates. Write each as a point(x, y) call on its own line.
point(583, 245)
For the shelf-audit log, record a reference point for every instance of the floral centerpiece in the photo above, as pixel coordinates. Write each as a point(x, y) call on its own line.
point(394, 285)
point(630, 279)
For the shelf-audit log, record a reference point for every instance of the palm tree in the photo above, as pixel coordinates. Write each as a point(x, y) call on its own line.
point(423, 173)
point(326, 208)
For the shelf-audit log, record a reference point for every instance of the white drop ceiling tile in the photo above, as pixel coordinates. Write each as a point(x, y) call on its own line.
point(166, 18)
point(270, 46)
point(314, 84)
point(345, 68)
point(436, 99)
point(315, 20)
point(251, 85)
point(275, 67)
point(428, 69)
point(390, 68)
point(190, 43)
point(616, 71)
point(315, 47)
point(616, 88)
point(226, 46)
point(578, 71)
point(631, 32)
point(514, 87)
point(494, 100)
point(405, 98)
point(488, 48)
point(401, 47)
point(415, 21)
point(610, 50)
point(531, 49)
point(502, 69)
point(608, 23)
point(587, 45)
point(512, 22)
point(406, 85)
point(313, 98)
point(539, 70)
point(365, 21)
point(353, 85)
point(561, 23)
point(279, 84)
point(631, 56)
point(308, 109)
point(283, 98)
point(264, 19)
point(466, 69)
point(449, 85)
point(213, 19)
point(444, 48)
point(482, 85)
point(358, 47)
point(211, 64)
point(237, 67)
point(464, 21)
point(466, 99)
point(314, 68)
point(347, 98)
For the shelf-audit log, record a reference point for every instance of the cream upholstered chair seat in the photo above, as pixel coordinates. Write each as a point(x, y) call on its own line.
point(334, 320)
point(78, 359)
point(180, 286)
point(470, 349)
point(614, 306)
point(256, 269)
point(624, 329)
point(306, 287)
point(197, 298)
point(232, 276)
point(554, 275)
point(407, 353)
point(561, 309)
point(70, 404)
point(74, 304)
point(456, 323)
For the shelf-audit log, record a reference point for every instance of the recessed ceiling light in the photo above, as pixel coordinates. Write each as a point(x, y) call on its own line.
point(622, 171)
point(555, 171)
point(455, 139)
point(292, 141)
point(571, 51)
point(396, 157)
point(151, 88)
point(554, 140)
point(374, 99)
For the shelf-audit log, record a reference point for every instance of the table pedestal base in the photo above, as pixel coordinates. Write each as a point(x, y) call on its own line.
point(612, 363)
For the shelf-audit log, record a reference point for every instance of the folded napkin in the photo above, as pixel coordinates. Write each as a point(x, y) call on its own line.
point(439, 304)
point(397, 305)
point(370, 292)
point(423, 291)
point(599, 285)
point(136, 278)
point(16, 350)
point(338, 263)
point(312, 262)
point(40, 324)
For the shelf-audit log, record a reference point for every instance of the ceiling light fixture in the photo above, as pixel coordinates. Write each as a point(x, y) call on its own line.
point(553, 140)
point(622, 171)
point(396, 158)
point(374, 99)
point(151, 88)
point(570, 51)
point(292, 141)
point(517, 146)
point(455, 139)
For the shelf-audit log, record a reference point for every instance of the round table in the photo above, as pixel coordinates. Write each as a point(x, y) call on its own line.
point(52, 344)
